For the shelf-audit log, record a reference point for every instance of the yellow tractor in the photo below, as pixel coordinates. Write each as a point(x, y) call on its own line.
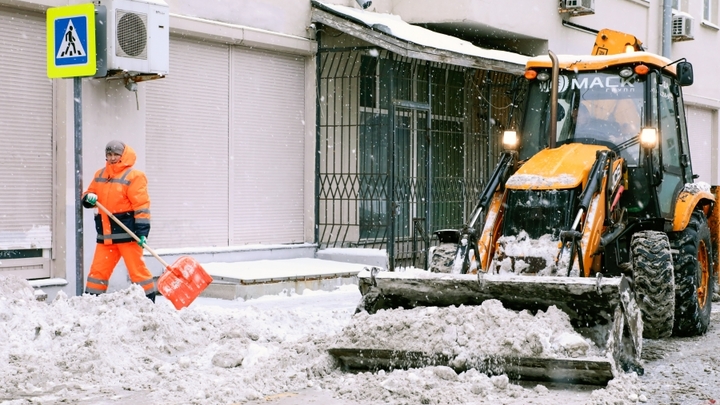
point(592, 208)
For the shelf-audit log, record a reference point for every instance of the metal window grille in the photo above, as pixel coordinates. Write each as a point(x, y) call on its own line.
point(404, 147)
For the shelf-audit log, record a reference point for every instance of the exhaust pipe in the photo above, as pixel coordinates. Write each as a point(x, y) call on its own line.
point(553, 99)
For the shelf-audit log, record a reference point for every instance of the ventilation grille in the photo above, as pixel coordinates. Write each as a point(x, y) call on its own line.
point(131, 34)
point(682, 27)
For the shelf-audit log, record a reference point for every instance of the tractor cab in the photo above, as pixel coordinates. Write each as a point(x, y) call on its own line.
point(631, 103)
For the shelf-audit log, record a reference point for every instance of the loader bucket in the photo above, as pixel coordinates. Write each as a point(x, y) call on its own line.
point(602, 310)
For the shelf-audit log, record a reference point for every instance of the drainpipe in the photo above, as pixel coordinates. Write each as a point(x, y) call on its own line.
point(666, 28)
point(318, 132)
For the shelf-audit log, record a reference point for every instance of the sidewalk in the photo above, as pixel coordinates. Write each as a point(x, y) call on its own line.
point(252, 279)
point(252, 271)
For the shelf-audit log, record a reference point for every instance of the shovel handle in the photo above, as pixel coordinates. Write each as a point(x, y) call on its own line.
point(117, 221)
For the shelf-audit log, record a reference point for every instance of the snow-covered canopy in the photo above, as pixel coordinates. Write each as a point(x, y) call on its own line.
point(394, 26)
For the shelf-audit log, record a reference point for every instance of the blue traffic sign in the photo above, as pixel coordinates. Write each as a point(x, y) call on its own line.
point(71, 41)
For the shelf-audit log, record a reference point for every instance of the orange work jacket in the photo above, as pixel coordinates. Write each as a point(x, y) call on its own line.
point(123, 191)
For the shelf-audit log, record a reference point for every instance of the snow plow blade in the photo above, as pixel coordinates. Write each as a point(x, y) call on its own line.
point(587, 301)
point(601, 310)
point(597, 371)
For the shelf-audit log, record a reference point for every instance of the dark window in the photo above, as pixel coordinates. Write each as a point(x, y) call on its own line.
point(373, 175)
point(20, 253)
point(448, 174)
point(409, 82)
point(368, 81)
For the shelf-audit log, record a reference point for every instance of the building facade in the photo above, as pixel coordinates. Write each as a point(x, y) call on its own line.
point(226, 138)
point(532, 28)
point(237, 141)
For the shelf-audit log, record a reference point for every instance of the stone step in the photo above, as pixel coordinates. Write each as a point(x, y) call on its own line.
point(248, 280)
point(231, 290)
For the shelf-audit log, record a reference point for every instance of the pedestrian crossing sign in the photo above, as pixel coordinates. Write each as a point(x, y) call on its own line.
point(71, 41)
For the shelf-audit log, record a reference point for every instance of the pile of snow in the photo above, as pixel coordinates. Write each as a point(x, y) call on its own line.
point(434, 385)
point(694, 188)
point(523, 254)
point(442, 386)
point(123, 342)
point(121, 348)
point(469, 333)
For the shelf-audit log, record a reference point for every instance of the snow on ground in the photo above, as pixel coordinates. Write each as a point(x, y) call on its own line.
point(120, 348)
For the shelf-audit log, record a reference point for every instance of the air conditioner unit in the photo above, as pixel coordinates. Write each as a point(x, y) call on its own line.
point(577, 7)
point(682, 27)
point(137, 38)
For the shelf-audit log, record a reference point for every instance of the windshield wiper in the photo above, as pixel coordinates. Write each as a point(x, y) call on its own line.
point(626, 144)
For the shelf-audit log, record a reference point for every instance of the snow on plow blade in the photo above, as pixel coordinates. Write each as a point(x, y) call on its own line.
point(599, 310)
point(587, 301)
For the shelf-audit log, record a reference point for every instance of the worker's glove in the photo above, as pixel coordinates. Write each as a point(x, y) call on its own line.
point(142, 241)
point(91, 198)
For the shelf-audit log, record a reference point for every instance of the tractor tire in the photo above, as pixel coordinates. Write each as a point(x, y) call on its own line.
point(443, 257)
point(693, 276)
point(654, 282)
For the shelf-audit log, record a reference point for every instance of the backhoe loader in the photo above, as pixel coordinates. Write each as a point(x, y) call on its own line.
point(591, 208)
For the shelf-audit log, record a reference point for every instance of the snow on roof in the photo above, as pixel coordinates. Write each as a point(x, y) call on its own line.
point(566, 59)
point(393, 25)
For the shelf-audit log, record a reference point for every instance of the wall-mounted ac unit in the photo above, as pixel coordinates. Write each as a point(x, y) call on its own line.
point(682, 27)
point(138, 36)
point(577, 7)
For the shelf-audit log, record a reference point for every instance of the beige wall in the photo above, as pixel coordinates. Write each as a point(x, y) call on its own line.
point(281, 16)
point(532, 27)
point(110, 111)
point(539, 22)
point(284, 16)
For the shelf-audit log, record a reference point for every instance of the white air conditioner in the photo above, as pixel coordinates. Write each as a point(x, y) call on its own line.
point(682, 27)
point(138, 36)
point(577, 7)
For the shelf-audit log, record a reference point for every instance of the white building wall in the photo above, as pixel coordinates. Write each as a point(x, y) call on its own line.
point(279, 16)
point(532, 21)
point(528, 26)
point(109, 111)
point(532, 27)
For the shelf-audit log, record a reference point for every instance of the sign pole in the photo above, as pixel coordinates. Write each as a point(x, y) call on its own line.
point(79, 246)
point(72, 52)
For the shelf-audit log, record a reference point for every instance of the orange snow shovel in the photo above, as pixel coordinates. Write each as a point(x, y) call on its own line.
point(182, 282)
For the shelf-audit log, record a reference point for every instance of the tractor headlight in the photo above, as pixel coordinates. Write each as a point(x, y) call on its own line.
point(510, 140)
point(649, 138)
point(626, 72)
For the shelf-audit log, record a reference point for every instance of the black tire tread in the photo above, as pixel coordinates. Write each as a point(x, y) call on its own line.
point(690, 318)
point(654, 282)
point(443, 258)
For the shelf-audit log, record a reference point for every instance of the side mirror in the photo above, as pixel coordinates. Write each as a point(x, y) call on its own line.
point(684, 72)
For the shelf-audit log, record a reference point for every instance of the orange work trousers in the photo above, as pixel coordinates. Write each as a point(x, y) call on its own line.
point(107, 257)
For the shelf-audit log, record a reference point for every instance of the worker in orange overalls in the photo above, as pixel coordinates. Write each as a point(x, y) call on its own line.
point(123, 191)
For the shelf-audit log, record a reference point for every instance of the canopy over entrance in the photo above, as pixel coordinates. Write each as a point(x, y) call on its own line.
point(390, 32)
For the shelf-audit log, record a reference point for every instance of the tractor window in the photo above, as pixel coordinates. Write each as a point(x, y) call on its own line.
point(605, 109)
point(669, 128)
point(670, 148)
point(685, 162)
point(599, 108)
